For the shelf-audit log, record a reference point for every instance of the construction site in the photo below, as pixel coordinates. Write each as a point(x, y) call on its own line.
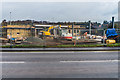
point(57, 34)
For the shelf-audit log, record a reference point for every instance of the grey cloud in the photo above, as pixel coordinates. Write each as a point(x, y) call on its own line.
point(59, 11)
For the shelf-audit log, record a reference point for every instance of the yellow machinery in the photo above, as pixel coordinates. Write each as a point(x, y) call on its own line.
point(110, 41)
point(62, 35)
point(47, 33)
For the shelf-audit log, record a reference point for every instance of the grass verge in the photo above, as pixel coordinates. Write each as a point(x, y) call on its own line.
point(62, 46)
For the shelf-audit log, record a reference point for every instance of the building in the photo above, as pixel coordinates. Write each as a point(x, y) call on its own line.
point(18, 31)
point(76, 29)
point(45, 27)
point(21, 31)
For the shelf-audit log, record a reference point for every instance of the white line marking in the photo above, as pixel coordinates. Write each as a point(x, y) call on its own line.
point(61, 52)
point(91, 61)
point(11, 62)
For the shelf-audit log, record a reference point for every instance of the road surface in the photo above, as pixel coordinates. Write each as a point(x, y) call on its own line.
point(69, 64)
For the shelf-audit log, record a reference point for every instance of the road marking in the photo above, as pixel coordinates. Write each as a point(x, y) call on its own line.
point(60, 52)
point(5, 62)
point(91, 61)
point(21, 62)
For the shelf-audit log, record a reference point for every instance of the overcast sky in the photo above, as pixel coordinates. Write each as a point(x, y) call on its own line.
point(60, 11)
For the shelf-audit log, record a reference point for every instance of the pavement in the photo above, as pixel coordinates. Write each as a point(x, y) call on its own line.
point(63, 64)
point(62, 49)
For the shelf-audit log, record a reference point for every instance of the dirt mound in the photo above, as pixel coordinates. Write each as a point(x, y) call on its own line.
point(34, 41)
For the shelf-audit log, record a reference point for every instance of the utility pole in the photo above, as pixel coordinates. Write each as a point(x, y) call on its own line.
point(10, 18)
point(10, 33)
point(90, 27)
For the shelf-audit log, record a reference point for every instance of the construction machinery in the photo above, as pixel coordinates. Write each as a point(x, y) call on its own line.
point(64, 34)
point(57, 33)
point(47, 33)
point(111, 36)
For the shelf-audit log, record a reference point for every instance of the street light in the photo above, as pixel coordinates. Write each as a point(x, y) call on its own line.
point(90, 27)
point(10, 18)
point(10, 33)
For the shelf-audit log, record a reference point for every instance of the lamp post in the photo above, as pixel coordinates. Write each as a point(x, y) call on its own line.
point(10, 33)
point(10, 18)
point(90, 27)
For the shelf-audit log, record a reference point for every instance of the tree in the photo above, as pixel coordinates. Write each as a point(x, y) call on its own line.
point(110, 25)
point(4, 23)
point(105, 22)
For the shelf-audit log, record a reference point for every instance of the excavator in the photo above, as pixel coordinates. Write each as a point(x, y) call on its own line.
point(46, 33)
point(63, 34)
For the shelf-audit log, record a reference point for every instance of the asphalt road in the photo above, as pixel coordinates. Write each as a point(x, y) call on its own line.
point(89, 64)
point(62, 49)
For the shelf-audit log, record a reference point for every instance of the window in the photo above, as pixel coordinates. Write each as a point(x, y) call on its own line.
point(69, 31)
point(75, 31)
point(18, 33)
